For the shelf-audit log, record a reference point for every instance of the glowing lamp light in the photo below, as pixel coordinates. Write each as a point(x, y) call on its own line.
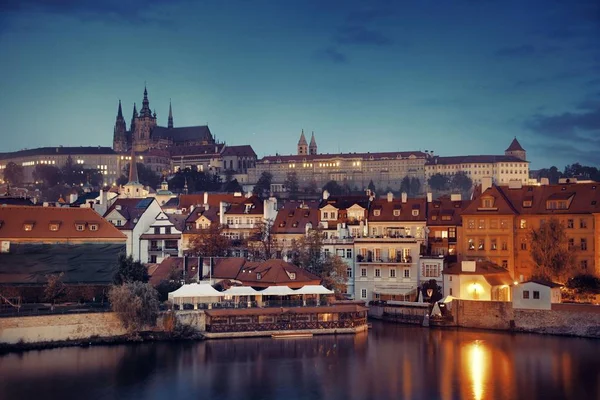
point(516, 283)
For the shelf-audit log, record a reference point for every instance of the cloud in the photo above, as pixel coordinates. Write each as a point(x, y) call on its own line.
point(567, 152)
point(517, 51)
point(569, 125)
point(361, 35)
point(331, 54)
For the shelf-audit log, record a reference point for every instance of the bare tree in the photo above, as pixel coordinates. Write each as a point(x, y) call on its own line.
point(210, 242)
point(136, 304)
point(262, 243)
point(55, 288)
point(550, 250)
point(334, 274)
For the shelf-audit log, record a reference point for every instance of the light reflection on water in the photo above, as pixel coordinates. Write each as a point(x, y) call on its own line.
point(390, 362)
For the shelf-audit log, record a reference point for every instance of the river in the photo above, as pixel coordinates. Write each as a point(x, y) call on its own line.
point(389, 362)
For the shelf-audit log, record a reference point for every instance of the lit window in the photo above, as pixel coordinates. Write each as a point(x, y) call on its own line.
point(93, 227)
point(523, 224)
point(258, 276)
point(79, 227)
point(28, 226)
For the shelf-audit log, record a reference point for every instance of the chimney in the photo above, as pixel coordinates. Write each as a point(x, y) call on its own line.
point(456, 197)
point(429, 197)
point(404, 197)
point(205, 198)
point(468, 266)
point(390, 197)
point(222, 207)
point(325, 194)
point(544, 181)
point(486, 183)
point(192, 208)
point(102, 197)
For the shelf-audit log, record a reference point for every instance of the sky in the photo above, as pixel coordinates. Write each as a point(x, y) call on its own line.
point(456, 77)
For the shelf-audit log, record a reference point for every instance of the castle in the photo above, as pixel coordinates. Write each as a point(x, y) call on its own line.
point(145, 134)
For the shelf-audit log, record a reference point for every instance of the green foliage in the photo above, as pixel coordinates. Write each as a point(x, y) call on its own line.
point(461, 182)
point(263, 185)
point(550, 251)
point(291, 184)
point(311, 187)
point(130, 271)
point(437, 291)
point(334, 273)
point(233, 186)
point(333, 188)
point(584, 284)
point(146, 176)
point(165, 287)
point(415, 187)
point(47, 175)
point(136, 304)
point(552, 173)
point(405, 185)
point(439, 182)
point(371, 186)
point(13, 174)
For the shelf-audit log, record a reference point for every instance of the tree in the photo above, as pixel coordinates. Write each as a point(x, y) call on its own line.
point(436, 291)
point(47, 175)
point(136, 304)
point(461, 182)
point(309, 249)
point(263, 185)
point(55, 288)
point(312, 187)
point(405, 185)
point(333, 188)
point(130, 271)
point(334, 274)
point(72, 174)
point(291, 184)
point(146, 176)
point(210, 242)
point(552, 173)
point(438, 182)
point(13, 174)
point(371, 186)
point(550, 251)
point(229, 173)
point(415, 186)
point(262, 242)
point(584, 284)
point(165, 287)
point(233, 186)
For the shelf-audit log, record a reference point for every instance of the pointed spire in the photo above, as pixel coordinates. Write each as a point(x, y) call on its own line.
point(185, 187)
point(145, 111)
point(312, 140)
point(133, 172)
point(302, 140)
point(170, 124)
point(135, 114)
point(120, 112)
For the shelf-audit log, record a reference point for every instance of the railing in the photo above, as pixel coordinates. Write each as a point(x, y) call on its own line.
point(385, 260)
point(156, 248)
point(283, 326)
point(252, 304)
point(27, 310)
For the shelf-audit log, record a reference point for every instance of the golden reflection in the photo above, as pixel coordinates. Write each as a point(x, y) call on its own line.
point(477, 355)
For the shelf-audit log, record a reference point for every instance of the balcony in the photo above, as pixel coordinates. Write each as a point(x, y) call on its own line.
point(386, 260)
point(156, 248)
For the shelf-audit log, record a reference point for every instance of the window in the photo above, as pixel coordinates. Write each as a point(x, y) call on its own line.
point(325, 215)
point(349, 272)
point(28, 226)
point(450, 278)
point(292, 275)
point(54, 227)
point(377, 213)
point(153, 259)
point(452, 233)
point(415, 213)
point(377, 273)
point(471, 244)
point(407, 273)
point(536, 294)
point(494, 244)
point(570, 223)
point(348, 253)
point(93, 227)
point(156, 230)
point(363, 272)
point(494, 224)
point(488, 203)
point(471, 224)
point(523, 245)
point(505, 264)
point(396, 213)
point(523, 224)
point(392, 272)
point(431, 270)
point(583, 244)
point(450, 288)
point(340, 253)
point(118, 222)
point(503, 223)
point(571, 243)
point(79, 227)
point(526, 294)
point(363, 293)
point(481, 245)
point(258, 276)
point(481, 224)
point(583, 223)
point(584, 264)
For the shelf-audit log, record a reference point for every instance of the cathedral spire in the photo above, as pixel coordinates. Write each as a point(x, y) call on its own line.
point(145, 111)
point(133, 172)
point(120, 112)
point(170, 125)
point(312, 147)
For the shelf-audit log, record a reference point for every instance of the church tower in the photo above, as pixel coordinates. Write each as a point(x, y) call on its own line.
point(312, 147)
point(170, 126)
point(302, 145)
point(120, 133)
point(144, 123)
point(516, 150)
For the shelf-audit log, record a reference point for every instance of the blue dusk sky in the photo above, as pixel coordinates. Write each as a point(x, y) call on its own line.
point(456, 77)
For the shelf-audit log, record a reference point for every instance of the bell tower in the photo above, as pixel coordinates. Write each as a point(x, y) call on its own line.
point(144, 123)
point(120, 133)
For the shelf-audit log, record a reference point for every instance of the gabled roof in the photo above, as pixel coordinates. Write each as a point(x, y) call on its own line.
point(210, 150)
point(444, 211)
point(252, 205)
point(345, 202)
point(502, 205)
point(481, 268)
point(515, 146)
point(51, 151)
point(293, 220)
point(14, 218)
point(543, 282)
point(214, 200)
point(130, 209)
point(239, 151)
point(386, 209)
point(163, 270)
point(274, 272)
point(184, 133)
point(15, 201)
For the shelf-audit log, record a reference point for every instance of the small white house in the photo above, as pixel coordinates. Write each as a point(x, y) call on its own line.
point(536, 294)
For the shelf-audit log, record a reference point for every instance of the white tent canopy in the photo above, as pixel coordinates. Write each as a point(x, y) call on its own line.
point(240, 291)
point(313, 289)
point(277, 291)
point(205, 292)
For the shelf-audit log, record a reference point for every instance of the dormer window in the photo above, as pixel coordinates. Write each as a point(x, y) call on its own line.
point(93, 227)
point(53, 226)
point(79, 226)
point(258, 276)
point(487, 202)
point(292, 276)
point(527, 203)
point(377, 213)
point(434, 217)
point(295, 224)
point(28, 226)
point(282, 224)
point(415, 213)
point(396, 213)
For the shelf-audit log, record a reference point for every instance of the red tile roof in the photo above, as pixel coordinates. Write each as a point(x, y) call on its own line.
point(294, 219)
point(515, 146)
point(443, 211)
point(13, 219)
point(386, 210)
point(362, 156)
point(131, 210)
point(273, 272)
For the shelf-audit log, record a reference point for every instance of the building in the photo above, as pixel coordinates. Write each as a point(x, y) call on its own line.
point(498, 223)
point(40, 241)
point(477, 280)
point(502, 169)
point(133, 217)
point(386, 169)
point(263, 274)
point(162, 239)
point(294, 220)
point(536, 294)
point(104, 159)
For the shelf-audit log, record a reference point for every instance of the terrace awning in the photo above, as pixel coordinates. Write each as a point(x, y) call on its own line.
point(240, 291)
point(277, 291)
point(202, 291)
point(313, 289)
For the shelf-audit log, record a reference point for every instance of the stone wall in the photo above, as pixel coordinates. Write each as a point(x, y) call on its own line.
point(562, 319)
point(50, 328)
point(483, 314)
point(195, 319)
